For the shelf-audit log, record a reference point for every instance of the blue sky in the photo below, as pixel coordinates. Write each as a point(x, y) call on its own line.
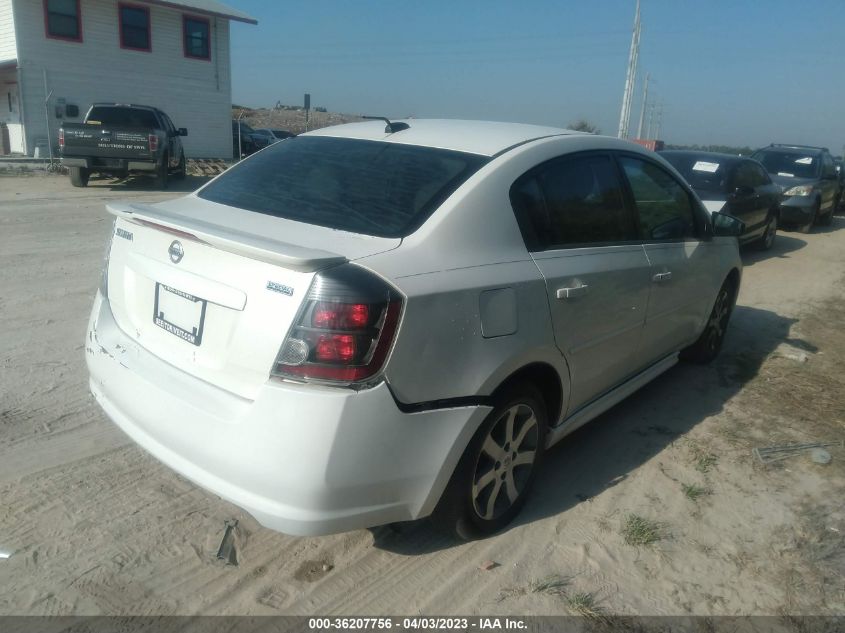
point(740, 72)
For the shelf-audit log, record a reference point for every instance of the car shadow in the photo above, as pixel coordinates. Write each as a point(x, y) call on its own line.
point(146, 183)
point(783, 246)
point(606, 451)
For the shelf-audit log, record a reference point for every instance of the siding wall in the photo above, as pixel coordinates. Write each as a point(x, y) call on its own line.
point(195, 93)
point(7, 32)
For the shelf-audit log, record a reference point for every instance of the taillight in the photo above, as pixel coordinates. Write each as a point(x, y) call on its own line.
point(153, 139)
point(61, 138)
point(344, 330)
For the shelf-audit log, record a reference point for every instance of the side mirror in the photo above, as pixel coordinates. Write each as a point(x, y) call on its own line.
point(725, 225)
point(183, 131)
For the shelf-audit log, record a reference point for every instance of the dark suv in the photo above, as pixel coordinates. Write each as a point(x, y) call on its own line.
point(809, 182)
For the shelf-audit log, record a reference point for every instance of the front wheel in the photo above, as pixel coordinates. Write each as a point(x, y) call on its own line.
point(493, 477)
point(79, 176)
point(707, 347)
point(827, 218)
point(768, 238)
point(182, 169)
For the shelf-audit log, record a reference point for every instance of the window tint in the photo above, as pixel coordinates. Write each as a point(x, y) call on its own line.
point(196, 34)
point(63, 19)
point(664, 207)
point(572, 202)
point(135, 27)
point(828, 168)
point(797, 164)
point(762, 174)
point(125, 117)
point(745, 176)
point(370, 187)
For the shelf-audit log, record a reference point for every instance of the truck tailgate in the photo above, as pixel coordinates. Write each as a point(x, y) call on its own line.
point(98, 141)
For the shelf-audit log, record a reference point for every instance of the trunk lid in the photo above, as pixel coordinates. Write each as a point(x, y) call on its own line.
point(215, 301)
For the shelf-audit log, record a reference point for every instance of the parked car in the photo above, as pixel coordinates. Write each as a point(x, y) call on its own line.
point(282, 134)
point(807, 176)
point(243, 139)
point(735, 185)
point(119, 139)
point(369, 324)
point(264, 137)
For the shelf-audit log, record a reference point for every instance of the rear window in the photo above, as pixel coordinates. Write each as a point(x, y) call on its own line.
point(122, 117)
point(369, 187)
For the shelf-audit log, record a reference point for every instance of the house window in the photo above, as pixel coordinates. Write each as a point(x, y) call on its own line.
point(63, 19)
point(196, 33)
point(134, 27)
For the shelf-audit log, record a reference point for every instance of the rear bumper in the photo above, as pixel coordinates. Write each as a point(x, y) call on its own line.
point(110, 164)
point(301, 459)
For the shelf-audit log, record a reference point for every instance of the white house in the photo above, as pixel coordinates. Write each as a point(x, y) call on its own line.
point(57, 57)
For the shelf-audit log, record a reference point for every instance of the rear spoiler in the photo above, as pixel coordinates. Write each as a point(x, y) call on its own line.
point(257, 247)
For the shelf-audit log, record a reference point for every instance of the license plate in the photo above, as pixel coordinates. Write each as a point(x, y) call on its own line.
point(179, 313)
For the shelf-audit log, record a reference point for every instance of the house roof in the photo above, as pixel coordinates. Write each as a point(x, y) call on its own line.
point(207, 7)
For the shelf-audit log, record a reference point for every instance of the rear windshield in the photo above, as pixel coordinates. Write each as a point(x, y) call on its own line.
point(797, 164)
point(704, 173)
point(122, 117)
point(369, 187)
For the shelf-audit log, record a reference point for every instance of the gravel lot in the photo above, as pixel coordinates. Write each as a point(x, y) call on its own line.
point(657, 507)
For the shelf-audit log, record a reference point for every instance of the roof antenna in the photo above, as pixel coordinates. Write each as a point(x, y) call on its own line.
point(390, 128)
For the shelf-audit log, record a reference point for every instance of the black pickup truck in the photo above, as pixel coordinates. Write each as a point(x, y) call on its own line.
point(117, 139)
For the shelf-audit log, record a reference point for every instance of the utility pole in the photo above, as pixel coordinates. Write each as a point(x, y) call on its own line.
point(630, 78)
point(650, 120)
point(642, 110)
point(659, 122)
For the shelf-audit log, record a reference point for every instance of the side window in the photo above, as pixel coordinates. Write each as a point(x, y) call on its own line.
point(664, 206)
point(761, 174)
point(744, 177)
point(828, 168)
point(576, 201)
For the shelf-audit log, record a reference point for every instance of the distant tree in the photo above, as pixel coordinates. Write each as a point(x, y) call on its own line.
point(582, 125)
point(722, 149)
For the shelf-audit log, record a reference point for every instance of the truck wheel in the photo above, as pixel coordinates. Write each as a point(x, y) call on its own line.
point(79, 176)
point(161, 173)
point(707, 347)
point(182, 169)
point(493, 477)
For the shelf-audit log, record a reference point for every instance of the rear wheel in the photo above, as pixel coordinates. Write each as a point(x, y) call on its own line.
point(161, 176)
point(768, 238)
point(493, 477)
point(707, 347)
point(79, 176)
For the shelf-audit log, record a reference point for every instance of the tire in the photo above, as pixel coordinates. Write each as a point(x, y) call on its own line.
point(79, 176)
point(708, 345)
point(806, 228)
point(182, 169)
point(505, 472)
point(769, 233)
point(161, 176)
point(827, 218)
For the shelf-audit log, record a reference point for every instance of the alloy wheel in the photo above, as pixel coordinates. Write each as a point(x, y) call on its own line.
point(504, 465)
point(718, 322)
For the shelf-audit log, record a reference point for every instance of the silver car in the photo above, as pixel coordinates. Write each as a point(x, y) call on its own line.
point(378, 322)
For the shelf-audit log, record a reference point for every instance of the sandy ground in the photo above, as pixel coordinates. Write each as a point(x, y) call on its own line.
point(94, 525)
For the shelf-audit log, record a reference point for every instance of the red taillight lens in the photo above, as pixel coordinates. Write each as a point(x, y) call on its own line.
point(341, 316)
point(61, 138)
point(153, 139)
point(344, 331)
point(335, 348)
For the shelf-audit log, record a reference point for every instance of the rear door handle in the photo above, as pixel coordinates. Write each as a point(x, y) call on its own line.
point(662, 277)
point(571, 293)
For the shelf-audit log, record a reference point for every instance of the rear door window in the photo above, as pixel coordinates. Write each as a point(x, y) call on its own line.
point(663, 204)
point(572, 202)
point(370, 187)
